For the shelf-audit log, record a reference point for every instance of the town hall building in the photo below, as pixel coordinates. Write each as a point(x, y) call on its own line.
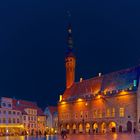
point(103, 104)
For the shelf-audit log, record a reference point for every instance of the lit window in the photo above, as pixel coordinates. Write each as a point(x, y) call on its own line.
point(108, 112)
point(113, 112)
point(95, 114)
point(121, 112)
point(99, 113)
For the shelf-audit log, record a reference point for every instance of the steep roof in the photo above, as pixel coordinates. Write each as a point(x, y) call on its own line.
point(52, 109)
point(113, 81)
point(21, 105)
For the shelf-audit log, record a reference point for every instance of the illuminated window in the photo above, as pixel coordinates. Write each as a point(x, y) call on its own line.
point(121, 112)
point(95, 113)
point(113, 112)
point(99, 113)
point(108, 112)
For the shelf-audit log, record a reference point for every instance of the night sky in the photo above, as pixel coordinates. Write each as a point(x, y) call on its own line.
point(33, 42)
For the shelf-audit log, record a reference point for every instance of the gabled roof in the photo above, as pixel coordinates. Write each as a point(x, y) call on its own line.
point(21, 105)
point(52, 109)
point(113, 81)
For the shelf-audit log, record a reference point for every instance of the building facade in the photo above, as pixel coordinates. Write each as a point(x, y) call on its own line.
point(105, 103)
point(19, 117)
point(51, 113)
point(10, 118)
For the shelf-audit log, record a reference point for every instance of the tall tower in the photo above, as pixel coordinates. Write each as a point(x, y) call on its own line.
point(70, 60)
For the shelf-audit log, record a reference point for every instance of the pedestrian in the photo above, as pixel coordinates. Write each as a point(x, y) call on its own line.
point(134, 130)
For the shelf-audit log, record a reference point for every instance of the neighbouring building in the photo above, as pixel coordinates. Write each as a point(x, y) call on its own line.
point(19, 117)
point(105, 103)
point(10, 118)
point(51, 119)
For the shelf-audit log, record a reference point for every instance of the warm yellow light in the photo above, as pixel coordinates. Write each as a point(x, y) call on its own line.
point(63, 103)
point(79, 100)
point(99, 96)
point(13, 126)
point(123, 92)
point(60, 98)
point(86, 104)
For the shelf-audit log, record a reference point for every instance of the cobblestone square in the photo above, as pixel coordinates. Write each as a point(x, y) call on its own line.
point(80, 137)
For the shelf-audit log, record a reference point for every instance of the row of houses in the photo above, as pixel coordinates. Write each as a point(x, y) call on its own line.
point(20, 117)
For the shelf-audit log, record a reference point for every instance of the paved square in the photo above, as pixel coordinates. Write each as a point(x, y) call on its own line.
point(80, 137)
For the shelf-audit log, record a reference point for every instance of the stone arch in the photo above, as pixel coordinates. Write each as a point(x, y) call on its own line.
point(68, 128)
point(129, 126)
point(103, 127)
point(80, 128)
point(120, 128)
point(74, 128)
point(87, 127)
point(112, 126)
point(95, 128)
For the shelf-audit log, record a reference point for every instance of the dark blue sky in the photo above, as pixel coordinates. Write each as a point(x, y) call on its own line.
point(33, 41)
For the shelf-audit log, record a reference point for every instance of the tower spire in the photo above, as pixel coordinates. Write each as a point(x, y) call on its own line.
point(69, 50)
point(70, 40)
point(70, 60)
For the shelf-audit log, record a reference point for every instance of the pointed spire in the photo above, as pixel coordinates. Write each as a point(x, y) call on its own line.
point(69, 51)
point(70, 40)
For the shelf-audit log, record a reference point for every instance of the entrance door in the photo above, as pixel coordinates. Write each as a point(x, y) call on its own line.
point(112, 127)
point(120, 128)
